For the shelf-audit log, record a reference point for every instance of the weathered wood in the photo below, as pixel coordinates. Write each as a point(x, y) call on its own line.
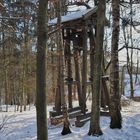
point(55, 113)
point(59, 118)
point(86, 15)
point(75, 82)
point(84, 116)
point(95, 109)
point(136, 99)
point(81, 123)
point(105, 91)
point(77, 75)
point(58, 98)
point(69, 68)
point(84, 68)
point(92, 49)
point(78, 31)
point(90, 13)
point(82, 119)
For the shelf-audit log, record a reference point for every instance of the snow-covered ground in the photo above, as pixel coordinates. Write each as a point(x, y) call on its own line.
point(22, 126)
point(136, 85)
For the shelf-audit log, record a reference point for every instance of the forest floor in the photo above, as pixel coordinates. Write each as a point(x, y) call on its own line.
point(22, 126)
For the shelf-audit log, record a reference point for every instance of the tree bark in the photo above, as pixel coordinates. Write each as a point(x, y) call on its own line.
point(69, 69)
point(96, 2)
point(131, 56)
point(77, 76)
point(92, 52)
point(95, 110)
point(114, 107)
point(41, 108)
point(84, 68)
point(66, 129)
point(137, 68)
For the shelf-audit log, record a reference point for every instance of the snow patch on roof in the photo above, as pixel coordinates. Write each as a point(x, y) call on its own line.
point(71, 16)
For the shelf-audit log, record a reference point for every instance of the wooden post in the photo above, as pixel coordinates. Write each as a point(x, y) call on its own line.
point(77, 73)
point(58, 97)
point(105, 92)
point(66, 123)
point(92, 49)
point(84, 67)
point(69, 68)
point(58, 89)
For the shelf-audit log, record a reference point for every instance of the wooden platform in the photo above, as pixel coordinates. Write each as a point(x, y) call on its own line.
point(56, 118)
point(54, 113)
point(82, 119)
point(136, 99)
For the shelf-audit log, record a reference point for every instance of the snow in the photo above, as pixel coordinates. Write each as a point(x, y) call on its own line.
point(22, 126)
point(72, 16)
point(135, 85)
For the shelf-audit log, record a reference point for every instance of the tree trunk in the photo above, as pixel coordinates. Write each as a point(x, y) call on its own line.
point(92, 52)
point(41, 108)
point(84, 68)
point(25, 67)
point(131, 56)
point(137, 68)
point(69, 69)
point(96, 2)
point(5, 70)
point(114, 107)
point(0, 100)
point(77, 75)
point(95, 110)
point(58, 94)
point(63, 7)
point(122, 80)
point(6, 87)
point(66, 130)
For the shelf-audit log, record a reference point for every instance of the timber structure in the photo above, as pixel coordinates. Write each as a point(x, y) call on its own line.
point(78, 32)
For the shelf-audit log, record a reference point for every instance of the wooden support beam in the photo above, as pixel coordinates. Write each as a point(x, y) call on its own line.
point(77, 74)
point(69, 67)
point(82, 119)
point(84, 67)
point(57, 118)
point(54, 113)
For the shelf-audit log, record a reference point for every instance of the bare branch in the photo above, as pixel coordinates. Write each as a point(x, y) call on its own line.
point(133, 2)
point(1, 5)
point(4, 120)
point(138, 31)
point(128, 48)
